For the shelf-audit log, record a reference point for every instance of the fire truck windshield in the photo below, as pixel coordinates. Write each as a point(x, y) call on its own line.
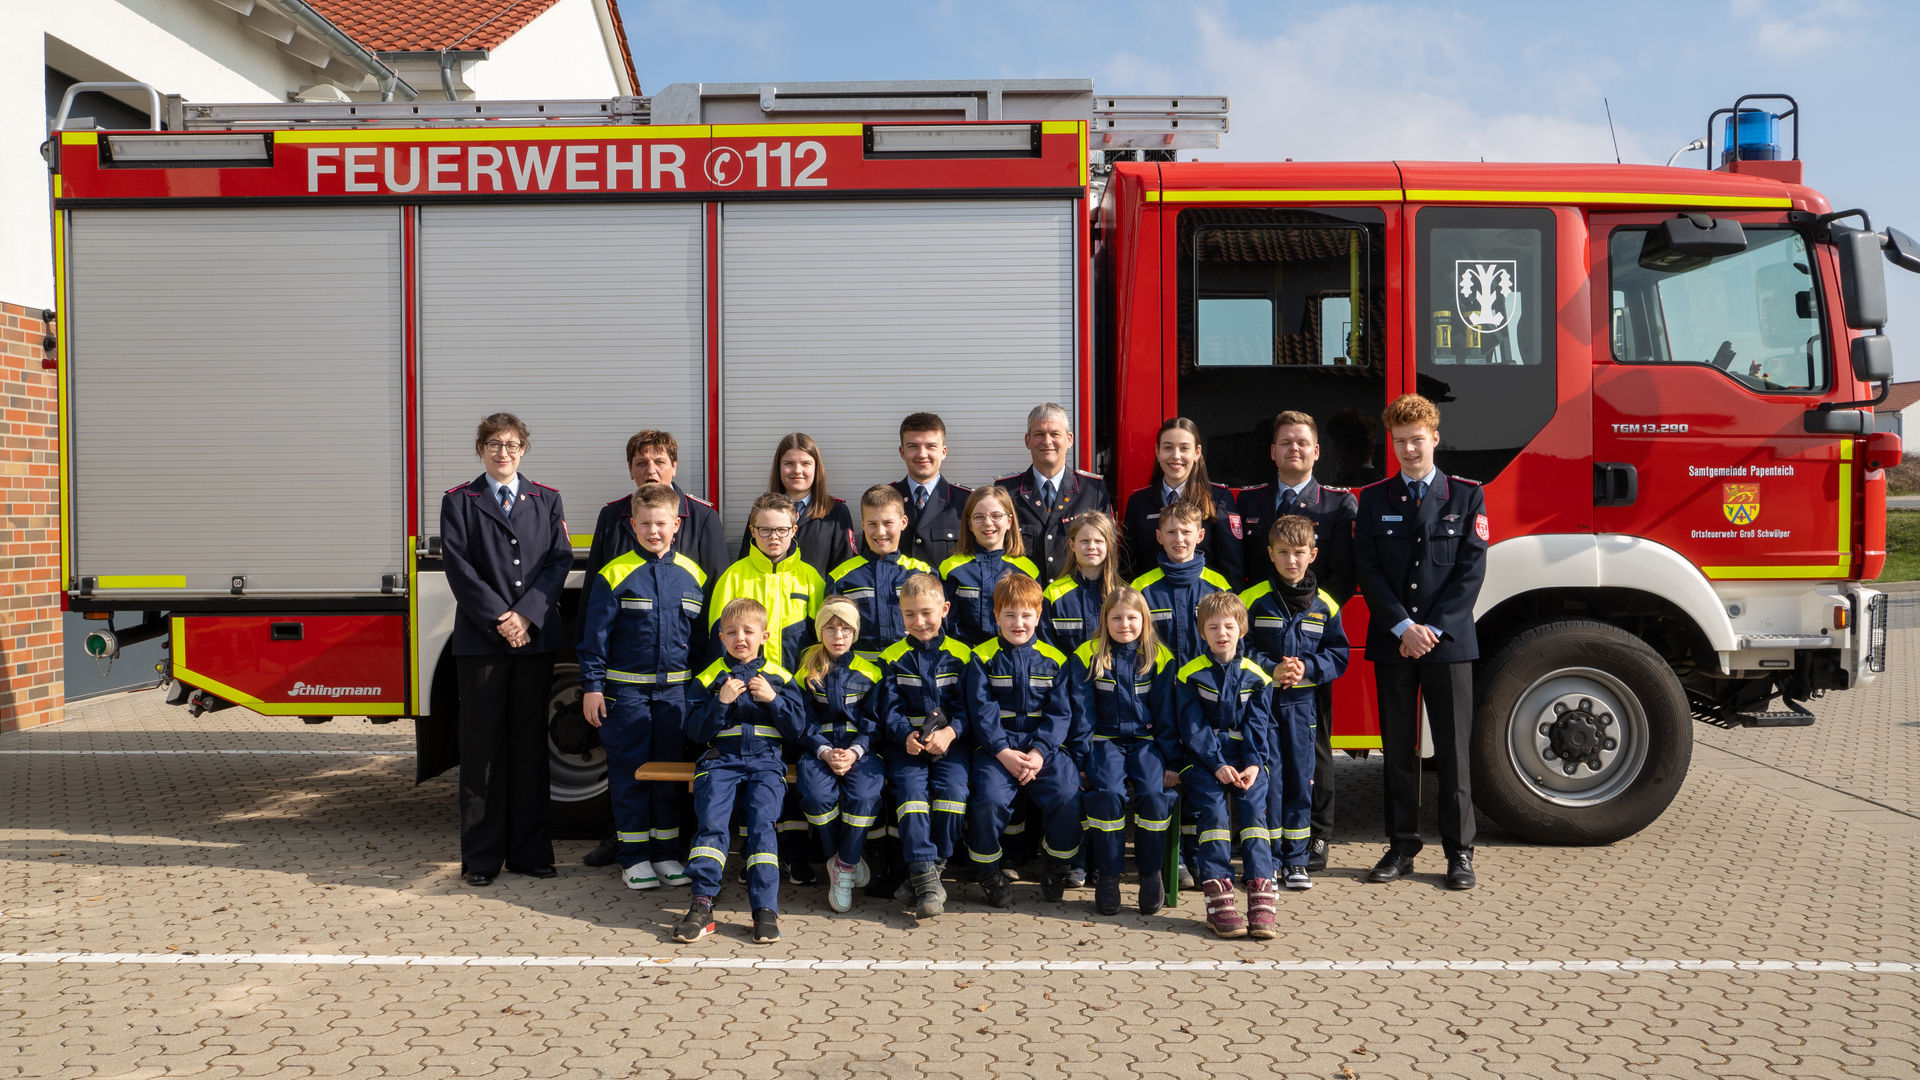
point(1754, 315)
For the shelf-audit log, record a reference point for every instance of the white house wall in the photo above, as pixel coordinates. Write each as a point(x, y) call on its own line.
point(561, 54)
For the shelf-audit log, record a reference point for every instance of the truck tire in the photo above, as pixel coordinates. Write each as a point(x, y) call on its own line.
point(576, 762)
point(1582, 734)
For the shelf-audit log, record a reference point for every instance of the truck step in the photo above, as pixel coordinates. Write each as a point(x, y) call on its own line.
point(1794, 715)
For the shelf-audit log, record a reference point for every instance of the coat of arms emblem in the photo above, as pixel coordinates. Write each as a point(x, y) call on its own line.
point(1485, 286)
point(1740, 503)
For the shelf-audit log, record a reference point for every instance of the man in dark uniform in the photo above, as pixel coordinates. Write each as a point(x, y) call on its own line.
point(1295, 452)
point(1420, 552)
point(653, 457)
point(1050, 494)
point(503, 539)
point(933, 505)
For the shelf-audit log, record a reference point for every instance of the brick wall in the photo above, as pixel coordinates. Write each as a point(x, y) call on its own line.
point(32, 685)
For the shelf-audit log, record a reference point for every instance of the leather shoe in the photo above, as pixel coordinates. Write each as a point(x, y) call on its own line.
point(1317, 854)
point(1392, 867)
point(479, 879)
point(1460, 871)
point(602, 855)
point(542, 872)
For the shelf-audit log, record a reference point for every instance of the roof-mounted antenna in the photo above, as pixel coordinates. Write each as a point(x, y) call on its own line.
point(1610, 131)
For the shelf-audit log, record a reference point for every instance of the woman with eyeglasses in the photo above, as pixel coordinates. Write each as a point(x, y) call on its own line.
point(825, 530)
point(504, 541)
point(990, 549)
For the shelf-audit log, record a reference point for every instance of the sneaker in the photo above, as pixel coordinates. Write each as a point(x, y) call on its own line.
point(799, 872)
point(1153, 893)
point(1316, 854)
point(1076, 878)
point(997, 888)
point(1223, 915)
point(1186, 877)
point(699, 920)
point(1261, 921)
point(1296, 877)
point(1106, 894)
point(671, 872)
point(906, 893)
point(766, 926)
point(929, 896)
point(862, 874)
point(641, 875)
point(841, 878)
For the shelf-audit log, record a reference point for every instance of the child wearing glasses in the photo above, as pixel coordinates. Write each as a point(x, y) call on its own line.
point(773, 573)
point(990, 549)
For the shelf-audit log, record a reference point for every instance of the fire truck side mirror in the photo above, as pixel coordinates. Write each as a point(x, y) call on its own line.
point(1873, 358)
point(1863, 280)
point(1902, 251)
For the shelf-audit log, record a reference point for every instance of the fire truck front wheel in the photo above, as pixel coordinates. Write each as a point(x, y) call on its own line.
point(1582, 734)
point(576, 762)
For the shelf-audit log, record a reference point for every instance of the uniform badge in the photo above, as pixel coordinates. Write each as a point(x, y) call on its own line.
point(1233, 522)
point(1480, 528)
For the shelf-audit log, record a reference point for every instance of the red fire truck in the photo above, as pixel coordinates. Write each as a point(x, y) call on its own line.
point(279, 324)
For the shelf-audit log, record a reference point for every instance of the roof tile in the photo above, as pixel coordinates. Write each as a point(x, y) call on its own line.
point(415, 25)
point(1899, 396)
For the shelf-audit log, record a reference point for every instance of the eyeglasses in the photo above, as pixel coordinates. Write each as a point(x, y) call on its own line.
point(989, 519)
point(495, 446)
point(772, 532)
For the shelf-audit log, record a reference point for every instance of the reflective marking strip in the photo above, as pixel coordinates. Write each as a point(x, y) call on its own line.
point(1103, 825)
point(510, 134)
point(1018, 828)
point(827, 818)
point(1629, 966)
point(766, 732)
point(785, 826)
point(1355, 742)
point(666, 834)
point(905, 808)
point(1296, 834)
point(1211, 836)
point(1278, 195)
point(707, 853)
point(647, 678)
point(762, 859)
point(141, 581)
point(1057, 853)
point(948, 806)
point(1153, 825)
point(984, 857)
point(1255, 832)
point(1601, 198)
point(640, 837)
point(860, 821)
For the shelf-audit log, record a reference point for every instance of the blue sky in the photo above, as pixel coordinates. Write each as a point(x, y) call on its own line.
point(1505, 80)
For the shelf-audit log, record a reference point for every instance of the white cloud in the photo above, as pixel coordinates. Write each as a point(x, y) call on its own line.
point(1804, 28)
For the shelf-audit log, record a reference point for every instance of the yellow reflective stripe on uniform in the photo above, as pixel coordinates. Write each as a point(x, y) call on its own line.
point(707, 853)
point(1140, 583)
point(1255, 832)
point(1152, 824)
point(763, 859)
point(948, 806)
point(860, 821)
point(1060, 588)
point(1296, 834)
point(1214, 578)
point(727, 733)
point(666, 834)
point(1103, 824)
point(641, 678)
point(984, 857)
point(639, 837)
point(1255, 592)
point(764, 731)
point(685, 562)
point(1333, 608)
point(1049, 652)
point(912, 807)
point(1056, 853)
point(1018, 828)
point(1211, 835)
point(790, 826)
point(827, 818)
point(1194, 667)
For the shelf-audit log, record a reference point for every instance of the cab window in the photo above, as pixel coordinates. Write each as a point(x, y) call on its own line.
point(1754, 315)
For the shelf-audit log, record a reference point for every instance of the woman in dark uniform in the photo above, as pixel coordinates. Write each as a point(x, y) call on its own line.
point(504, 540)
point(1180, 473)
point(825, 533)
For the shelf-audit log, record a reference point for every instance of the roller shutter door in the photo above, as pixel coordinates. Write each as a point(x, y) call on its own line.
point(838, 319)
point(236, 400)
point(584, 321)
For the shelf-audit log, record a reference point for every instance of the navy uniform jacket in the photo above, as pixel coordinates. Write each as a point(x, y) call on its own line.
point(1424, 564)
point(1222, 703)
point(920, 675)
point(1219, 536)
point(1125, 703)
point(848, 706)
point(933, 532)
point(1070, 611)
point(699, 536)
point(496, 564)
point(824, 542)
point(1332, 512)
point(1044, 528)
point(873, 583)
point(747, 729)
point(1173, 592)
point(1020, 692)
point(969, 580)
point(642, 617)
point(1315, 637)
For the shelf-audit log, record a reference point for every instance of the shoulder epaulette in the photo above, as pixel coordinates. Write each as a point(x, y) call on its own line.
point(1010, 481)
point(466, 487)
point(1021, 562)
point(954, 562)
point(1085, 652)
point(1255, 592)
point(956, 650)
point(1050, 652)
point(618, 501)
point(960, 487)
point(1162, 656)
point(1194, 667)
point(1464, 480)
point(910, 563)
point(1337, 490)
point(1060, 587)
point(1254, 487)
point(1255, 668)
point(685, 562)
point(714, 671)
point(1140, 583)
point(895, 651)
point(1332, 607)
point(1214, 578)
point(847, 567)
point(784, 674)
point(549, 487)
point(986, 651)
point(866, 667)
point(1088, 475)
point(697, 499)
point(619, 567)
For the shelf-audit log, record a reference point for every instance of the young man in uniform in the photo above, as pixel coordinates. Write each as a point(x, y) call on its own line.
point(1051, 493)
point(1295, 452)
point(933, 505)
point(1420, 551)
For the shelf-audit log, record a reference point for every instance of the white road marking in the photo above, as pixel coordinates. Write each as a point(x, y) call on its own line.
point(150, 753)
point(1575, 967)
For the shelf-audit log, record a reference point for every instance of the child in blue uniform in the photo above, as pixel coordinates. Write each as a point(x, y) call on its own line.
point(1225, 710)
point(643, 608)
point(1071, 616)
point(746, 708)
point(1121, 685)
point(872, 579)
point(1019, 686)
point(990, 549)
point(1297, 638)
point(928, 749)
point(841, 776)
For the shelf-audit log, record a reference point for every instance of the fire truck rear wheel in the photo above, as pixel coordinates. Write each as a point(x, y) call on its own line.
point(1582, 734)
point(576, 763)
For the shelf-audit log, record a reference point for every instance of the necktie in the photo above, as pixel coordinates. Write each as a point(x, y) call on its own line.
point(919, 496)
point(1046, 494)
point(1286, 501)
point(506, 499)
point(1418, 489)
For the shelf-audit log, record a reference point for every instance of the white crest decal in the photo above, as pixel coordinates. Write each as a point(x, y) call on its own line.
point(1484, 287)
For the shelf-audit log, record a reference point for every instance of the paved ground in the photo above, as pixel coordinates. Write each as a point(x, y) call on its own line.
point(267, 899)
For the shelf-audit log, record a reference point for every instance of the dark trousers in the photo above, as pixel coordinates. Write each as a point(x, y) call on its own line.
point(1323, 762)
point(1448, 692)
point(503, 762)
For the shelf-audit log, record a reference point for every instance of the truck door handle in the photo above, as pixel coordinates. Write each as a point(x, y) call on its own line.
point(287, 631)
point(1615, 484)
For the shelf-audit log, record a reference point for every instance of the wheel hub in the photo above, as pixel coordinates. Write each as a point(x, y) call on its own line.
point(1577, 734)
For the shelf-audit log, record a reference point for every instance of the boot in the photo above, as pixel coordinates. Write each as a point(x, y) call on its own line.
point(1054, 880)
point(1261, 922)
point(1106, 893)
point(1223, 917)
point(1153, 893)
point(997, 887)
point(929, 896)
